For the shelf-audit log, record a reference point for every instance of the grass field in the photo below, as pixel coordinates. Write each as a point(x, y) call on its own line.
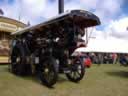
point(104, 80)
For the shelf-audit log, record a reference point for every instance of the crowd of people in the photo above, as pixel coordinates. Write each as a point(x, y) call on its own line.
point(107, 58)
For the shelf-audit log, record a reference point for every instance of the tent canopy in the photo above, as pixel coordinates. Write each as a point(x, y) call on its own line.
point(105, 46)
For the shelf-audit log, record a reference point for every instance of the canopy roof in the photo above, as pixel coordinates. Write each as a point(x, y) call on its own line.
point(10, 25)
point(79, 17)
point(12, 21)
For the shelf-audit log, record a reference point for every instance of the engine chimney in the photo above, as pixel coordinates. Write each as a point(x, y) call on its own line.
point(61, 6)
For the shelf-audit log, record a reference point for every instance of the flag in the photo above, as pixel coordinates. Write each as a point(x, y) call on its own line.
point(1, 12)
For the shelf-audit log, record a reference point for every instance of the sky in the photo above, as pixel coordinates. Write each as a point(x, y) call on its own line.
point(112, 13)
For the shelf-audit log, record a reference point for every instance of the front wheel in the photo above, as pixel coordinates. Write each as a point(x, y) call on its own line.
point(77, 70)
point(48, 72)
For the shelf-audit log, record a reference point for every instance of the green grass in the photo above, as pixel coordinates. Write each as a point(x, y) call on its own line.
point(104, 80)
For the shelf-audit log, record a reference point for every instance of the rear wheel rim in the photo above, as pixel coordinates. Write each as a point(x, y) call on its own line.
point(77, 72)
point(48, 73)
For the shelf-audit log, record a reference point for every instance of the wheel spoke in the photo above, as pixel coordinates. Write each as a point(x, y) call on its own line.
point(48, 72)
point(79, 74)
point(77, 70)
point(71, 73)
point(48, 76)
point(79, 67)
point(75, 75)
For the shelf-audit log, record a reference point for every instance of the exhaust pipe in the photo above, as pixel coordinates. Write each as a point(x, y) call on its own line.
point(61, 6)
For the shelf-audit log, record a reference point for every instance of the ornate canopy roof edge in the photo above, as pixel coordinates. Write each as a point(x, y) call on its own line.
point(12, 21)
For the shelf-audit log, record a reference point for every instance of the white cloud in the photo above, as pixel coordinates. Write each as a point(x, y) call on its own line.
point(108, 9)
point(72, 5)
point(118, 28)
point(33, 7)
point(10, 11)
point(90, 4)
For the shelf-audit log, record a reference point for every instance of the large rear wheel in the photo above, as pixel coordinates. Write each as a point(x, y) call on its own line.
point(77, 70)
point(48, 72)
point(18, 60)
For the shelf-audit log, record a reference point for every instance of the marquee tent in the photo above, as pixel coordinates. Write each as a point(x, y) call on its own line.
point(105, 46)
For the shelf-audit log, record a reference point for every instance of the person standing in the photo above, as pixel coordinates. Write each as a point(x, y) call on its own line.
point(114, 57)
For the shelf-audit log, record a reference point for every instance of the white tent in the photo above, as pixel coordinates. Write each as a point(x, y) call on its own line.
point(105, 46)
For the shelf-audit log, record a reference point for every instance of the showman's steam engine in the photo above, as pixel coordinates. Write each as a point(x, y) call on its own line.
point(46, 49)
